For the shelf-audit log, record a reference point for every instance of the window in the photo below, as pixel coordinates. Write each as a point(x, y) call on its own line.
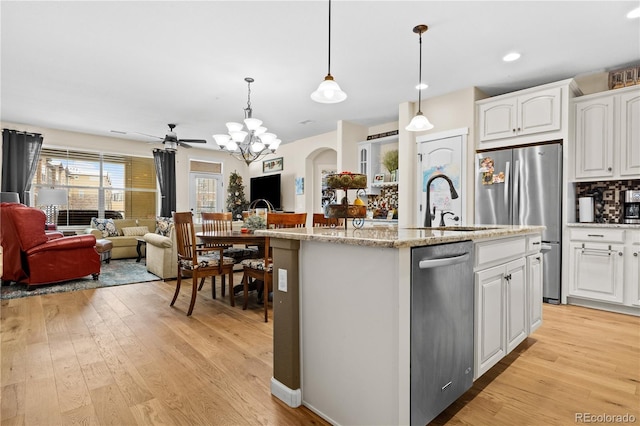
point(98, 184)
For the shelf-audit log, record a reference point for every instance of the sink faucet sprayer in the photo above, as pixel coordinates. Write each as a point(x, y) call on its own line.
point(428, 217)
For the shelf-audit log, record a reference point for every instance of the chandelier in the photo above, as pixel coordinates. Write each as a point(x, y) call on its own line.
point(250, 144)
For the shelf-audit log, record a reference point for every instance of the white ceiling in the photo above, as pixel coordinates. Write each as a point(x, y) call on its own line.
point(94, 67)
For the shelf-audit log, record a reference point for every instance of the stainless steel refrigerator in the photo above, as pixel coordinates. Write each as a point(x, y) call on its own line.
point(523, 186)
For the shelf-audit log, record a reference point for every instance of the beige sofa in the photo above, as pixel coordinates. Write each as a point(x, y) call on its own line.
point(124, 246)
point(162, 255)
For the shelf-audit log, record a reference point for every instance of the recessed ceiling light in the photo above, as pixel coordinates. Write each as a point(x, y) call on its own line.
point(510, 57)
point(635, 13)
point(422, 86)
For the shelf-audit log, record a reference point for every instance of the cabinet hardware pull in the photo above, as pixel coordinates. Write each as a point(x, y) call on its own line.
point(635, 254)
point(595, 235)
point(619, 253)
point(537, 243)
point(609, 169)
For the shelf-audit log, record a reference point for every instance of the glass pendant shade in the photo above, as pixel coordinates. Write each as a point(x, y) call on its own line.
point(238, 136)
point(232, 146)
point(234, 127)
point(252, 123)
point(257, 146)
point(267, 138)
point(419, 123)
point(329, 92)
point(222, 140)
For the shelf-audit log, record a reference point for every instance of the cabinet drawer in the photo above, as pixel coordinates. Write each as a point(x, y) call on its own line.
point(598, 235)
point(534, 243)
point(499, 251)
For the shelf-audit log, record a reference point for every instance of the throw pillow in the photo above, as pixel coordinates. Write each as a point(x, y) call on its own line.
point(163, 225)
point(106, 226)
point(135, 231)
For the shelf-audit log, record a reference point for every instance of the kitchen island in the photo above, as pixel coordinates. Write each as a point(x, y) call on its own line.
point(342, 312)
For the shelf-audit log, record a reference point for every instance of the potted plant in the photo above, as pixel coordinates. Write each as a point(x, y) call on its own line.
point(390, 162)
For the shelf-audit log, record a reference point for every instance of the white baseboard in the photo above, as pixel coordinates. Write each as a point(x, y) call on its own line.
point(291, 397)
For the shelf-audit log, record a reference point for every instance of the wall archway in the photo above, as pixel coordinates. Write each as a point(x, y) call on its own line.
point(319, 160)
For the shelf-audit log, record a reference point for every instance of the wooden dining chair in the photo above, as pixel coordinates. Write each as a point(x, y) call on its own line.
point(319, 221)
point(212, 263)
point(262, 269)
point(215, 222)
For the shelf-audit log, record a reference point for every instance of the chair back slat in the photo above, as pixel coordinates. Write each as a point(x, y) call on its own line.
point(185, 236)
point(286, 220)
point(217, 222)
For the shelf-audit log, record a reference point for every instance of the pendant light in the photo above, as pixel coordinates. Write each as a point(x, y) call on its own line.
point(419, 123)
point(329, 91)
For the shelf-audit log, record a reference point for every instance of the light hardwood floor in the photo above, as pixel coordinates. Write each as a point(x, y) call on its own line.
point(122, 356)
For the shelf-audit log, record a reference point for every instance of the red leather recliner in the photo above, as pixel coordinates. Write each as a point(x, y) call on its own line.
point(33, 257)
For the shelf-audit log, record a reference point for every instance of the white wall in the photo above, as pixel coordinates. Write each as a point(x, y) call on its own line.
point(63, 139)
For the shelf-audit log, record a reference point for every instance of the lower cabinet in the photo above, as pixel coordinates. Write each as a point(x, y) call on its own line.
point(502, 314)
point(597, 271)
point(604, 268)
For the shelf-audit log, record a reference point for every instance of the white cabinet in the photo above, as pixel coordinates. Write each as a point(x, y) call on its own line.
point(491, 345)
point(596, 264)
point(369, 161)
point(527, 116)
point(594, 138)
point(630, 134)
point(607, 135)
point(536, 112)
point(505, 283)
point(501, 316)
point(366, 153)
point(534, 279)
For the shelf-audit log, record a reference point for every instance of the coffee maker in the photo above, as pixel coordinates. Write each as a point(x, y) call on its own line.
point(630, 206)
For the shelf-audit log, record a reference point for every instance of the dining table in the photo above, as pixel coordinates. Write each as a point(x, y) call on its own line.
point(241, 238)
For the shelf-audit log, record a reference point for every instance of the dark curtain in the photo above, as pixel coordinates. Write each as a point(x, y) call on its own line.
point(20, 154)
point(166, 174)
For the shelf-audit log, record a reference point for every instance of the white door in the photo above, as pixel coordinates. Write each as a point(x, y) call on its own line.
point(516, 297)
point(489, 319)
point(205, 194)
point(442, 156)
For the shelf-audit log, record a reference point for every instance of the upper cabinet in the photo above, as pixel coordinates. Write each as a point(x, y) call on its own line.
point(607, 135)
point(370, 162)
point(531, 115)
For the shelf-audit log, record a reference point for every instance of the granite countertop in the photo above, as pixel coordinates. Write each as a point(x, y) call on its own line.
point(603, 225)
point(394, 237)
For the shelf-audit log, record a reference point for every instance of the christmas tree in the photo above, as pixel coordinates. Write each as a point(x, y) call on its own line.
point(236, 202)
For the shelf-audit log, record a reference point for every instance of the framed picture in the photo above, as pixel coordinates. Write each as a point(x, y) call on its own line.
point(274, 165)
point(379, 177)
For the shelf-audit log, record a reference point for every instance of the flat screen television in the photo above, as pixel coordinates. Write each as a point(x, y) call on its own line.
point(266, 187)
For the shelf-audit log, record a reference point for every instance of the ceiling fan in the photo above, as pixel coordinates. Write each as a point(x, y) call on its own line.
point(170, 140)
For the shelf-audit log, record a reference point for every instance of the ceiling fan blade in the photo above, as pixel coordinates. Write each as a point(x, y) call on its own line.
point(193, 140)
point(185, 145)
point(144, 134)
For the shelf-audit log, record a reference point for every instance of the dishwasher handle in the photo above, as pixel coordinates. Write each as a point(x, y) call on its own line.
point(443, 261)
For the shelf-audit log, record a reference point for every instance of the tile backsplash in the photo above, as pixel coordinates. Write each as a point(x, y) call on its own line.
point(611, 211)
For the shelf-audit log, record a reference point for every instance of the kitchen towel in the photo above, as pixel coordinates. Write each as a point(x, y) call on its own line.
point(585, 209)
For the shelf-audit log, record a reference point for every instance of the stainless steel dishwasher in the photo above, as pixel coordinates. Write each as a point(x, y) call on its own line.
point(441, 327)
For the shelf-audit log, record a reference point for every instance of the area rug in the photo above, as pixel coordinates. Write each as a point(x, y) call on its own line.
point(117, 272)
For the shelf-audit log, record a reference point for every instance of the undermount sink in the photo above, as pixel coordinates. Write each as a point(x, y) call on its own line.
point(461, 228)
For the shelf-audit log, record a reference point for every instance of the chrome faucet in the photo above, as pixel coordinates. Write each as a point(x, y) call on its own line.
point(428, 217)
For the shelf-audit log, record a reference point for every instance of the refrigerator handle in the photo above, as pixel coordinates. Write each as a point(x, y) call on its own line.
point(515, 220)
point(507, 178)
